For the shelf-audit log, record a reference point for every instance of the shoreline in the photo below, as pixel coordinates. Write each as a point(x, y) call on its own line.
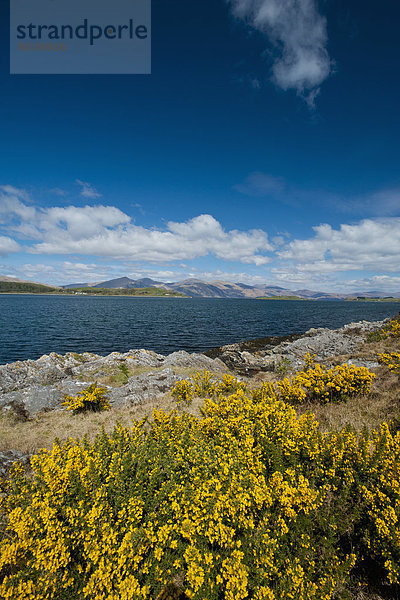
point(280, 298)
point(92, 295)
point(248, 346)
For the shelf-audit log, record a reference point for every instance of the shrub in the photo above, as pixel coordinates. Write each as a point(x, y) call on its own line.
point(309, 360)
point(333, 385)
point(123, 368)
point(205, 385)
point(247, 502)
point(315, 384)
point(91, 399)
point(183, 392)
point(283, 366)
point(391, 360)
point(392, 329)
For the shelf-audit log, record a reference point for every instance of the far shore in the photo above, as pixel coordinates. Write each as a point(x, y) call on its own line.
point(281, 298)
point(92, 295)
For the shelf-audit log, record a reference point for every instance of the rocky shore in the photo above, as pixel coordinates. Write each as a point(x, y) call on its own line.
point(30, 387)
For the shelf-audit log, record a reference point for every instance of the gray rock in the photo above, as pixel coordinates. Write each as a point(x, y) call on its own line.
point(149, 385)
point(193, 361)
point(322, 342)
point(100, 366)
point(36, 398)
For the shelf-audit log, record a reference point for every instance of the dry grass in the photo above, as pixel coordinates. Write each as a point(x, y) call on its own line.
point(382, 404)
point(31, 436)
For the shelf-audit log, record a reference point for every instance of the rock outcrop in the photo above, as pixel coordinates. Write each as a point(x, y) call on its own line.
point(266, 355)
point(31, 386)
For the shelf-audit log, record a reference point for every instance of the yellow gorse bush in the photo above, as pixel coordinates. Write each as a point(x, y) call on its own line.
point(92, 398)
point(391, 360)
point(333, 385)
point(315, 383)
point(205, 385)
point(393, 328)
point(248, 501)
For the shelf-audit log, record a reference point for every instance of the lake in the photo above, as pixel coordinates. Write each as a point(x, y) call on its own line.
point(34, 325)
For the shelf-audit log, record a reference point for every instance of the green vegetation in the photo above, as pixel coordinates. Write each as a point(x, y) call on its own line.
point(15, 287)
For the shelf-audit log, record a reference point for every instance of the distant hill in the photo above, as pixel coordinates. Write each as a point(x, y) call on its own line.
point(21, 287)
point(6, 278)
point(127, 283)
point(11, 285)
point(196, 288)
point(134, 291)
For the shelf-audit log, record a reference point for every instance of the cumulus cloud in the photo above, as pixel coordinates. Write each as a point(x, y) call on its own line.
point(371, 245)
point(182, 241)
point(88, 191)
point(8, 245)
point(298, 33)
point(106, 231)
point(13, 204)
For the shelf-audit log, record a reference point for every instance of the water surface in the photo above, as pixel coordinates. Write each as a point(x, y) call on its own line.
point(34, 325)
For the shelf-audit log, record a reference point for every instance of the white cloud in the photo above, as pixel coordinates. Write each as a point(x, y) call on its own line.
point(371, 245)
point(60, 273)
point(382, 202)
point(298, 33)
point(383, 283)
point(11, 205)
point(10, 190)
point(81, 233)
point(8, 245)
point(105, 231)
point(219, 275)
point(88, 191)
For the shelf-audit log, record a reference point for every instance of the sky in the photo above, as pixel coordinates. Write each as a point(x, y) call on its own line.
point(263, 148)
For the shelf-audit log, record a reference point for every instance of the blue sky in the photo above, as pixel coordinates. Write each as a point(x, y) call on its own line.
point(263, 148)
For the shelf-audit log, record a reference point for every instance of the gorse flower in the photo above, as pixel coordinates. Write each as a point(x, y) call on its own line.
point(315, 383)
point(205, 385)
point(92, 398)
point(248, 501)
point(391, 360)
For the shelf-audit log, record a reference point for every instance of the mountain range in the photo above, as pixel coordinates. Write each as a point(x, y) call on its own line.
point(196, 288)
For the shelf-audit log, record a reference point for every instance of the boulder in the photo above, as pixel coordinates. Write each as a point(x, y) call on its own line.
point(149, 385)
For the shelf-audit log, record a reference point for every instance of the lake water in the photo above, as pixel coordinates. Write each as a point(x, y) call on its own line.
point(34, 325)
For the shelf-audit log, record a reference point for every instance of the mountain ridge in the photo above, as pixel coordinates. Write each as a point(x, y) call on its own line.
point(196, 288)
